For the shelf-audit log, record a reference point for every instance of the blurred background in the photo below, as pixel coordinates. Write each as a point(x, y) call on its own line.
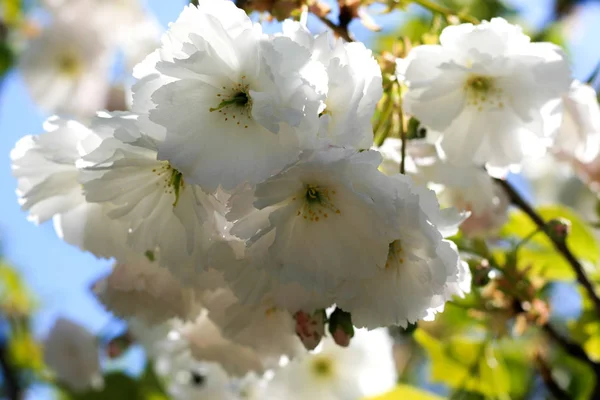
point(59, 276)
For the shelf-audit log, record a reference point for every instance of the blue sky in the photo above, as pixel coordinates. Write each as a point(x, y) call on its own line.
point(59, 274)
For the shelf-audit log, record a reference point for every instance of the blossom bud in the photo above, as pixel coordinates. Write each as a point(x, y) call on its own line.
point(481, 272)
point(119, 345)
point(558, 229)
point(340, 327)
point(310, 328)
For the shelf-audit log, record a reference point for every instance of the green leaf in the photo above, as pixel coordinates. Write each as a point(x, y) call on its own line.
point(117, 386)
point(151, 386)
point(466, 364)
point(586, 331)
point(403, 392)
point(539, 252)
point(577, 377)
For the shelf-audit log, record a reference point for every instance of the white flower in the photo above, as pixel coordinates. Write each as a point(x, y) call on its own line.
point(365, 368)
point(236, 109)
point(264, 327)
point(206, 343)
point(579, 133)
point(49, 186)
point(186, 378)
point(160, 208)
point(422, 270)
point(484, 87)
point(245, 273)
point(72, 352)
point(125, 24)
point(66, 69)
point(464, 187)
point(354, 86)
point(144, 290)
point(326, 218)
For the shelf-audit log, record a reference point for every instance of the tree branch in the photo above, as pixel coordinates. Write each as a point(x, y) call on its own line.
point(571, 348)
point(11, 380)
point(546, 374)
point(339, 30)
point(560, 246)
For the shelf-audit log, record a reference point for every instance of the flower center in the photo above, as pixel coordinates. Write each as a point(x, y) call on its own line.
point(395, 256)
point(172, 180)
point(68, 64)
point(483, 93)
point(317, 204)
point(322, 367)
point(235, 104)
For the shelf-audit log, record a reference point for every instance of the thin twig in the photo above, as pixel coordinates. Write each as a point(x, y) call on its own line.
point(560, 246)
point(546, 374)
point(339, 30)
point(438, 8)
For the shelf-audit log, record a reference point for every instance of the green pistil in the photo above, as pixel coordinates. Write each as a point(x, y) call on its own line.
point(312, 195)
point(239, 99)
point(176, 182)
point(480, 83)
point(150, 255)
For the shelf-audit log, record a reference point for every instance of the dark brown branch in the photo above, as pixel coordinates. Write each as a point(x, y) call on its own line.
point(546, 373)
point(560, 246)
point(339, 30)
point(571, 348)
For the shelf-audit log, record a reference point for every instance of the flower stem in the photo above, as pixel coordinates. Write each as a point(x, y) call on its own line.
point(560, 246)
point(402, 133)
point(438, 8)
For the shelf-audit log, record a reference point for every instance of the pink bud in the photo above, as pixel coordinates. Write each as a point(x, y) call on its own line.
point(341, 338)
point(310, 328)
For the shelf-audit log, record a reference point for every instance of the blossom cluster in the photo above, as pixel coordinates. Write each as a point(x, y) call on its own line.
point(68, 62)
point(246, 209)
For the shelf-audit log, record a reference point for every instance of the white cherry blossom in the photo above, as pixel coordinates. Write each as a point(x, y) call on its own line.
point(236, 109)
point(71, 351)
point(143, 290)
point(66, 69)
point(329, 215)
point(579, 133)
point(159, 207)
point(49, 187)
point(422, 270)
point(484, 88)
point(354, 86)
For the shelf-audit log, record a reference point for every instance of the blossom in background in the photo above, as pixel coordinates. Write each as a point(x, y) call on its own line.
point(72, 353)
point(186, 378)
point(464, 187)
point(143, 290)
point(365, 368)
point(354, 86)
point(134, 30)
point(66, 69)
point(484, 88)
point(579, 133)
